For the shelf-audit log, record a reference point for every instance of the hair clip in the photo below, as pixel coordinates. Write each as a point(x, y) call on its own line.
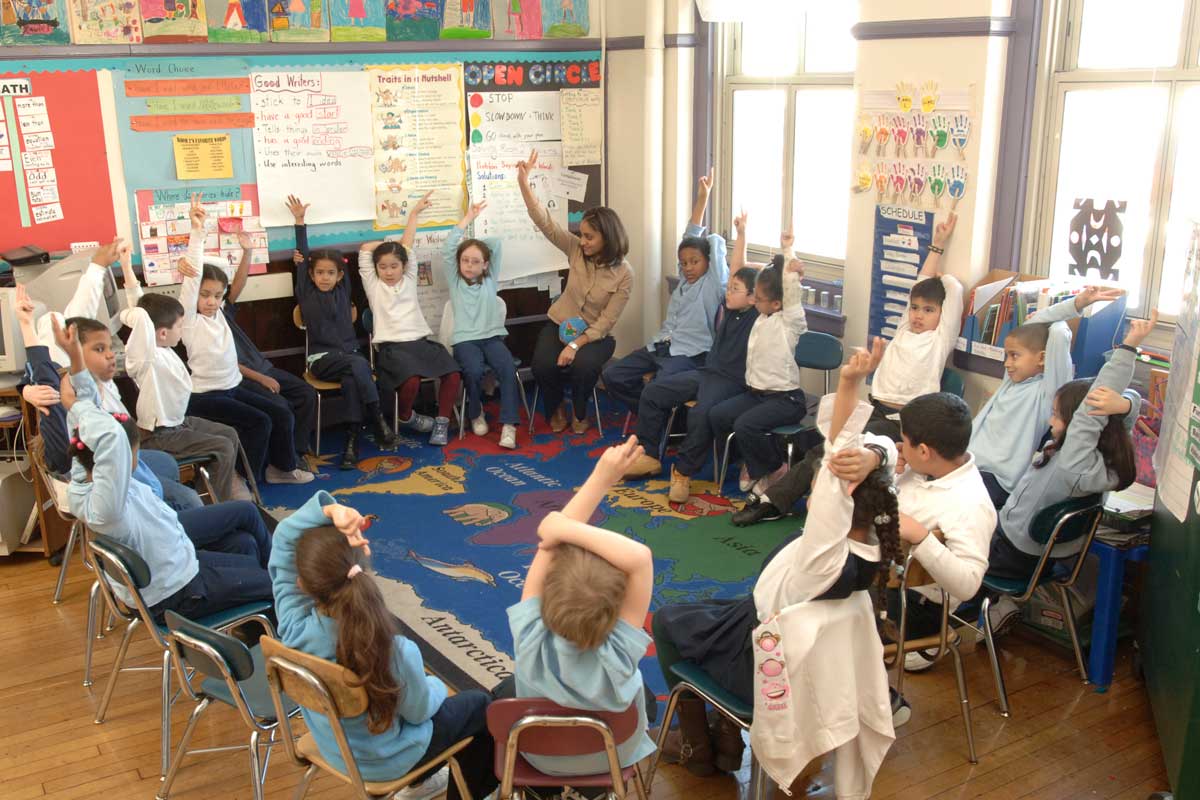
point(883, 519)
point(354, 570)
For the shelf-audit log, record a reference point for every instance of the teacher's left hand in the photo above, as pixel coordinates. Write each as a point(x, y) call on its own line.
point(566, 356)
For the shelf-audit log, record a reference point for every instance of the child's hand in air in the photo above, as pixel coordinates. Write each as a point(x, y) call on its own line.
point(297, 258)
point(706, 183)
point(245, 241)
point(422, 205)
point(796, 266)
point(186, 269)
point(1139, 329)
point(786, 238)
point(43, 398)
point(1096, 294)
point(944, 230)
point(67, 339)
point(298, 209)
point(524, 168)
point(739, 225)
point(350, 523)
point(108, 253)
point(24, 305)
point(473, 211)
point(1104, 402)
point(863, 362)
point(196, 213)
point(617, 460)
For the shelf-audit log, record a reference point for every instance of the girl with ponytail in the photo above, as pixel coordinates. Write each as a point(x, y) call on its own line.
point(329, 606)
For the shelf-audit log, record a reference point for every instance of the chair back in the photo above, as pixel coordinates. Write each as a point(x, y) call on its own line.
point(446, 328)
point(37, 454)
point(816, 350)
point(1068, 521)
point(952, 382)
point(122, 566)
point(318, 685)
point(212, 654)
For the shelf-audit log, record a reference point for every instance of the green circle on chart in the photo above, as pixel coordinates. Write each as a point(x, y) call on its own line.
point(476, 137)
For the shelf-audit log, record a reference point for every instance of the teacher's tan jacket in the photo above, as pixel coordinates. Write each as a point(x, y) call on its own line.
point(596, 293)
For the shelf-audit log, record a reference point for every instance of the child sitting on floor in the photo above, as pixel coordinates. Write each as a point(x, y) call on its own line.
point(323, 293)
point(686, 335)
point(577, 632)
point(329, 606)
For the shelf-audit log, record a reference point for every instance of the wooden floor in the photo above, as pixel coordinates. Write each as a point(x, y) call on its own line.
point(1063, 741)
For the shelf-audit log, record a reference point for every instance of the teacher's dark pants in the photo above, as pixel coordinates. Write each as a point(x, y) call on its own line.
point(581, 375)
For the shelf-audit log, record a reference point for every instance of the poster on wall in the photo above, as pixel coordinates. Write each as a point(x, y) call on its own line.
point(517, 19)
point(1096, 237)
point(1172, 458)
point(174, 21)
point(298, 20)
point(32, 22)
point(105, 22)
point(312, 138)
point(417, 116)
point(564, 19)
point(413, 20)
point(514, 116)
point(902, 237)
point(237, 21)
point(581, 112)
point(356, 21)
point(466, 19)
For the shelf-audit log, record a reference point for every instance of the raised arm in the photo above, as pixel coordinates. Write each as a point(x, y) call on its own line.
point(941, 237)
point(238, 282)
point(298, 624)
point(300, 258)
point(139, 347)
point(133, 289)
point(103, 502)
point(89, 294)
point(455, 236)
point(737, 259)
point(560, 237)
point(189, 292)
point(410, 227)
point(860, 364)
point(793, 300)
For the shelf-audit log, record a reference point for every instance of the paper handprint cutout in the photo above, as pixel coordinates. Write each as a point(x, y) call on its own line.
point(940, 133)
point(960, 133)
point(937, 183)
point(917, 176)
point(882, 133)
point(929, 97)
point(904, 96)
point(863, 178)
point(900, 134)
point(920, 134)
point(958, 184)
point(866, 133)
point(899, 181)
point(881, 180)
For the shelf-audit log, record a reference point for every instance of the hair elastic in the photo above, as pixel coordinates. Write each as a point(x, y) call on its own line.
point(354, 570)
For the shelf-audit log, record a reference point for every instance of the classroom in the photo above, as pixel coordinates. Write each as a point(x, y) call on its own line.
point(575, 399)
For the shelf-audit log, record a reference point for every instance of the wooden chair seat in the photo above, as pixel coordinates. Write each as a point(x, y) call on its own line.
point(320, 385)
point(306, 746)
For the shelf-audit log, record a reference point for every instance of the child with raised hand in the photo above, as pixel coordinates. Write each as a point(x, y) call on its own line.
point(577, 632)
point(407, 350)
point(686, 335)
point(165, 388)
point(329, 606)
point(1037, 362)
point(86, 300)
point(1090, 452)
point(472, 267)
point(323, 293)
point(201, 561)
point(264, 428)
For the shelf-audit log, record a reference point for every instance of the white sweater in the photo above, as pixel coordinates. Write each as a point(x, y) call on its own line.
point(396, 309)
point(212, 353)
point(913, 362)
point(771, 351)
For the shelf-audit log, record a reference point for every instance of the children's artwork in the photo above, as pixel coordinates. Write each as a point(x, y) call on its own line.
point(298, 20)
point(163, 229)
point(237, 21)
point(1096, 240)
point(413, 20)
point(517, 19)
point(417, 115)
point(564, 19)
point(174, 21)
point(467, 19)
point(356, 21)
point(105, 22)
point(28, 22)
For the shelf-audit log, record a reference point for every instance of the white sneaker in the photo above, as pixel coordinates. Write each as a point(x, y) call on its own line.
point(508, 437)
point(276, 475)
point(745, 482)
point(479, 426)
point(435, 784)
point(915, 661)
point(239, 490)
point(1003, 614)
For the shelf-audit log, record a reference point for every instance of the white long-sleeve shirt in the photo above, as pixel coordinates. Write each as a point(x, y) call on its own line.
point(396, 309)
point(819, 679)
point(212, 353)
point(958, 505)
point(913, 362)
point(89, 293)
point(771, 351)
point(164, 384)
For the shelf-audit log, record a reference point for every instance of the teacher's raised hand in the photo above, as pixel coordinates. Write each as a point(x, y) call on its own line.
point(524, 167)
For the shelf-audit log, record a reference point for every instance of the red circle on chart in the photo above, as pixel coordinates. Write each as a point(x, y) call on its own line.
point(476, 101)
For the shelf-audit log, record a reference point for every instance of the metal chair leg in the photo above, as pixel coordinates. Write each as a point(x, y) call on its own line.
point(524, 399)
point(302, 787)
point(1064, 594)
point(250, 481)
point(184, 741)
point(625, 425)
point(664, 729)
point(662, 447)
point(901, 641)
point(638, 785)
point(462, 413)
point(92, 622)
point(318, 433)
point(994, 657)
point(596, 402)
point(761, 785)
point(724, 465)
point(537, 390)
point(459, 779)
point(255, 768)
point(66, 562)
point(165, 745)
point(964, 702)
point(116, 671)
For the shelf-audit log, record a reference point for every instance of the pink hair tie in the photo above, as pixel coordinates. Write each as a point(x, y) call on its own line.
point(354, 570)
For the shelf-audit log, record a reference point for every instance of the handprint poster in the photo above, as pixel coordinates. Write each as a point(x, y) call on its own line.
point(105, 22)
point(357, 21)
point(29, 22)
point(174, 21)
point(238, 21)
point(298, 20)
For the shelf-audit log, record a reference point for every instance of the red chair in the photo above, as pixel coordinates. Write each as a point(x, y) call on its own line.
point(544, 728)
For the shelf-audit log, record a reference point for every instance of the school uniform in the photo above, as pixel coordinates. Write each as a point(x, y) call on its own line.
point(425, 717)
point(85, 302)
point(596, 292)
point(722, 377)
point(773, 395)
point(230, 569)
point(686, 335)
point(164, 389)
point(479, 332)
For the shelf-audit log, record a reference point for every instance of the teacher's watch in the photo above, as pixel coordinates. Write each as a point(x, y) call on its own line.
point(573, 346)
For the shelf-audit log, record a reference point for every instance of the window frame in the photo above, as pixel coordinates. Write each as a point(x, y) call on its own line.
point(729, 68)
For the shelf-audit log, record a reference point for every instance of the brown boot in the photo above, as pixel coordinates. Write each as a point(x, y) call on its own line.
point(558, 421)
point(690, 745)
point(727, 738)
point(681, 487)
point(645, 466)
point(580, 426)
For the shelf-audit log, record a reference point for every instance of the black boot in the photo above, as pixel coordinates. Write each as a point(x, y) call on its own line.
point(384, 437)
point(350, 453)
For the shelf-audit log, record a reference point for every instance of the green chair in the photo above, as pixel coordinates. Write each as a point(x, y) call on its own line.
point(952, 382)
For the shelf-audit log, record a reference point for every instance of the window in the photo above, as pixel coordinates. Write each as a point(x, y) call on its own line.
point(788, 102)
point(1124, 103)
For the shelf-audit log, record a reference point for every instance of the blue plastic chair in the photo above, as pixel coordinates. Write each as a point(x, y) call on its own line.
point(813, 351)
point(952, 382)
point(121, 566)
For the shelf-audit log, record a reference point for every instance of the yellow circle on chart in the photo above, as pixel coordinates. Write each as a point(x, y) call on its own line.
point(476, 120)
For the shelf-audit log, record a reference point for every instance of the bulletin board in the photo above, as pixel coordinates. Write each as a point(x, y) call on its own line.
point(154, 101)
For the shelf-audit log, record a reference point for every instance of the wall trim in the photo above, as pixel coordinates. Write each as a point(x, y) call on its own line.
point(934, 28)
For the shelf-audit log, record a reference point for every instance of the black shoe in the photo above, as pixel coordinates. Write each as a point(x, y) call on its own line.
point(350, 453)
point(762, 511)
point(384, 437)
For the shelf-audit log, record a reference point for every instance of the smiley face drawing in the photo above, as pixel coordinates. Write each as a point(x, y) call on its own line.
point(772, 668)
point(768, 641)
point(774, 690)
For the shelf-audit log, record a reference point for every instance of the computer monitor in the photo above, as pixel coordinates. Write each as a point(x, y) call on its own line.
point(12, 347)
point(55, 285)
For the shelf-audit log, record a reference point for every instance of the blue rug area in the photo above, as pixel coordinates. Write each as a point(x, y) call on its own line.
point(457, 531)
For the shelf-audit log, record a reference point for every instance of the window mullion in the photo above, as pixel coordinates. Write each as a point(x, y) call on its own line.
point(1160, 206)
point(789, 153)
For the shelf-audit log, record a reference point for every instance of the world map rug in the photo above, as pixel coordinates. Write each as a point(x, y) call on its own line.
point(457, 531)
